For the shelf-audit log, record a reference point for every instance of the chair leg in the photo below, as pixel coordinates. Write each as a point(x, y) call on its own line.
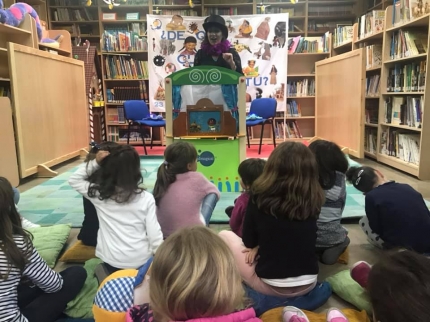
point(128, 134)
point(152, 137)
point(273, 133)
point(247, 136)
point(142, 133)
point(261, 138)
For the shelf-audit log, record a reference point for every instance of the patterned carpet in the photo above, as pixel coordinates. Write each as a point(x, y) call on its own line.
point(55, 202)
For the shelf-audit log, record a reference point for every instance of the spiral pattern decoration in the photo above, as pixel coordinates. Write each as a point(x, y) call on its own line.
point(197, 76)
point(213, 76)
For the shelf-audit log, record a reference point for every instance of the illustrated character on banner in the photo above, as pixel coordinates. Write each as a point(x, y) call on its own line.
point(170, 68)
point(160, 94)
point(215, 49)
point(159, 60)
point(156, 24)
point(177, 23)
point(230, 27)
point(189, 48)
point(265, 48)
point(193, 28)
point(251, 70)
point(280, 32)
point(240, 47)
point(259, 93)
point(167, 47)
point(245, 30)
point(263, 30)
point(273, 73)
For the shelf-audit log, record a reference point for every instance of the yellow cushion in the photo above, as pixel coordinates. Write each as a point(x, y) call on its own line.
point(78, 253)
point(275, 315)
point(344, 257)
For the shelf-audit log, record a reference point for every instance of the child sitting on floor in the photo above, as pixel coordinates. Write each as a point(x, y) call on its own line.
point(276, 255)
point(29, 289)
point(90, 225)
point(249, 170)
point(194, 278)
point(129, 232)
point(179, 190)
point(398, 286)
point(332, 238)
point(396, 214)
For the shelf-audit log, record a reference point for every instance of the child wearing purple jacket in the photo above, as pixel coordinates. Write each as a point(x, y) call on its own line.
point(249, 170)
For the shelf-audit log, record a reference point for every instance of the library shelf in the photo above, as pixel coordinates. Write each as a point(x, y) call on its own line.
point(73, 7)
point(371, 124)
point(60, 51)
point(419, 22)
point(393, 61)
point(126, 7)
point(283, 4)
point(301, 75)
point(4, 79)
point(122, 21)
point(85, 36)
point(221, 5)
point(6, 29)
point(372, 97)
point(124, 52)
point(3, 51)
point(375, 36)
point(332, 2)
point(281, 118)
point(294, 97)
point(345, 17)
point(309, 54)
point(404, 93)
point(70, 22)
point(343, 45)
point(373, 68)
point(405, 127)
point(370, 154)
point(126, 80)
point(398, 164)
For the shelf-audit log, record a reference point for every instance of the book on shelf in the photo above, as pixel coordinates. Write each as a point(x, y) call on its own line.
point(65, 3)
point(123, 40)
point(293, 109)
point(299, 44)
point(372, 85)
point(407, 77)
point(406, 43)
point(118, 134)
point(371, 23)
point(408, 10)
point(405, 111)
point(182, 12)
point(116, 115)
point(125, 67)
point(5, 91)
point(342, 35)
point(66, 14)
point(120, 94)
point(373, 56)
point(370, 139)
point(290, 129)
point(304, 87)
point(401, 144)
point(371, 114)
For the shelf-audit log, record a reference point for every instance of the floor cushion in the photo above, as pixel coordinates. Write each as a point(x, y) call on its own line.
point(275, 315)
point(49, 241)
point(81, 306)
point(348, 289)
point(78, 253)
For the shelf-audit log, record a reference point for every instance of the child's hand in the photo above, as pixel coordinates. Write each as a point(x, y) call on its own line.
point(101, 155)
point(251, 255)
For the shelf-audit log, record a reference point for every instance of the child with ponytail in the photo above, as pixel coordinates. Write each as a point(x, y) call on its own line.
point(180, 191)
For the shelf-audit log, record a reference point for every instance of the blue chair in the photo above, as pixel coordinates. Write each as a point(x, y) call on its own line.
point(266, 109)
point(137, 115)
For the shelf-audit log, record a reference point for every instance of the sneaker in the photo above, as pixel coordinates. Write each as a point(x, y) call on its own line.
point(334, 315)
point(293, 314)
point(28, 224)
point(360, 273)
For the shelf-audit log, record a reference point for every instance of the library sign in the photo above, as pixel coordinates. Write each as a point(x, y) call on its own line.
point(260, 40)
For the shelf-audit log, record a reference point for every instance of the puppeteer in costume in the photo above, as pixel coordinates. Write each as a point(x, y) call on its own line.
point(216, 50)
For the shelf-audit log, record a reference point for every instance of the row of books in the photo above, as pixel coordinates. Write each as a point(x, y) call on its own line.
point(370, 140)
point(67, 3)
point(305, 87)
point(116, 116)
point(407, 77)
point(299, 44)
point(342, 35)
point(408, 10)
point(117, 134)
point(327, 10)
point(125, 67)
point(371, 114)
point(65, 14)
point(372, 85)
point(5, 91)
point(293, 109)
point(221, 11)
point(373, 56)
point(402, 145)
point(407, 43)
point(406, 111)
point(290, 129)
point(123, 40)
point(371, 23)
point(120, 94)
point(185, 12)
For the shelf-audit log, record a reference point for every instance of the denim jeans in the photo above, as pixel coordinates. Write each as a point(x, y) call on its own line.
point(311, 301)
point(208, 206)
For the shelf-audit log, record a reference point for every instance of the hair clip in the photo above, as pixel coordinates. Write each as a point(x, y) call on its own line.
point(358, 177)
point(166, 163)
point(94, 145)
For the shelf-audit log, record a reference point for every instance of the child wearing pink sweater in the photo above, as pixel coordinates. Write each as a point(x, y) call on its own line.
point(179, 190)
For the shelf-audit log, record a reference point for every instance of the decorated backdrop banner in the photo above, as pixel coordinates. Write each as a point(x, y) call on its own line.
point(260, 41)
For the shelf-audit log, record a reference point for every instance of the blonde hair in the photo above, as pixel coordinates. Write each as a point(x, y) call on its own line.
point(194, 275)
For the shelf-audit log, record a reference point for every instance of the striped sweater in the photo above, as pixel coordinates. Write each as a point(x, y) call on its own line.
point(330, 232)
point(36, 270)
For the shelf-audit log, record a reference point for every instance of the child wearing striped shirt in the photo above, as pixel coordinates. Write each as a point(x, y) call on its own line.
point(29, 289)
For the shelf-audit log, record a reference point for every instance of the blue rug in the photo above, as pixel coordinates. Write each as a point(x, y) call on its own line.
point(55, 202)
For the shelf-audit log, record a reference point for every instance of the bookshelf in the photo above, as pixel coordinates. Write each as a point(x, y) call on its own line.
point(403, 131)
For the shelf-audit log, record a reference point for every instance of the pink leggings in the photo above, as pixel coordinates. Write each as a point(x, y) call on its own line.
point(249, 276)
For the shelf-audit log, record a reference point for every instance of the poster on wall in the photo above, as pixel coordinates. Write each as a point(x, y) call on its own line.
point(260, 40)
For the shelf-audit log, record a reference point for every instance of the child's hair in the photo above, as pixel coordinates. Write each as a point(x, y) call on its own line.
point(362, 178)
point(399, 287)
point(177, 156)
point(250, 169)
point(194, 275)
point(289, 187)
point(330, 159)
point(10, 226)
point(119, 176)
point(104, 146)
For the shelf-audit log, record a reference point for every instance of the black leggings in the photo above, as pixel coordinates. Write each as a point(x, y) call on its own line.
point(38, 306)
